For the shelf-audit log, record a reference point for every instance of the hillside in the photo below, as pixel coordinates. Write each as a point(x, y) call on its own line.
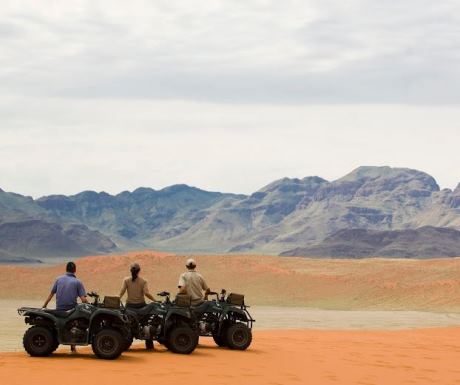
point(424, 242)
point(144, 215)
point(385, 284)
point(36, 238)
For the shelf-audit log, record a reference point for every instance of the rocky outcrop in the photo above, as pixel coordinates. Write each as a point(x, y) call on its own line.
point(425, 242)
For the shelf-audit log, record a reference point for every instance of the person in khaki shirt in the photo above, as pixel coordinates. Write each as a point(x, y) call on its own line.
point(193, 283)
point(137, 288)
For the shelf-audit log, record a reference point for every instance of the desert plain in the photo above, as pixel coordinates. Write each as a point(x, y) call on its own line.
point(319, 321)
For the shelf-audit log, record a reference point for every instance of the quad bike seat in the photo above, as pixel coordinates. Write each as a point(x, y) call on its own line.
point(60, 313)
point(200, 308)
point(140, 310)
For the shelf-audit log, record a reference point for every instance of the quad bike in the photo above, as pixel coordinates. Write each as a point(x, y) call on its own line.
point(104, 328)
point(226, 319)
point(170, 323)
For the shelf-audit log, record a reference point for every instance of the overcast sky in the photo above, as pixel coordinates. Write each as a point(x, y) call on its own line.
point(224, 95)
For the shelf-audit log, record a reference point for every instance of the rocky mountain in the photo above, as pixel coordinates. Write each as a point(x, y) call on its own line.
point(284, 215)
point(248, 223)
point(424, 242)
point(138, 218)
point(38, 239)
point(15, 207)
point(308, 210)
point(94, 223)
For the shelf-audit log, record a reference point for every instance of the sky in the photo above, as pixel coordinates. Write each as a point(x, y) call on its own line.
point(224, 95)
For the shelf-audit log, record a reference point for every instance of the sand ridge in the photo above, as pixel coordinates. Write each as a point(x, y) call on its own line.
point(424, 356)
point(373, 284)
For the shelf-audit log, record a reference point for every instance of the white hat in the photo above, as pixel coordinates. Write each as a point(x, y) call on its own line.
point(190, 263)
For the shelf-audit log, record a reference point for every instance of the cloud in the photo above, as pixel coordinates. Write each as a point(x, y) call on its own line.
point(50, 146)
point(234, 52)
point(224, 95)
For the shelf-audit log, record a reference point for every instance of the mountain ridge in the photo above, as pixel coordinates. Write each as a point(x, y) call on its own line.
point(285, 214)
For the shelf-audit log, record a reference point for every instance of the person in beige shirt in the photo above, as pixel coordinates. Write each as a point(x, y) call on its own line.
point(137, 288)
point(193, 283)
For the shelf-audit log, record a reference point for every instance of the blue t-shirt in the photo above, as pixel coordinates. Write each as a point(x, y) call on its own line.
point(67, 289)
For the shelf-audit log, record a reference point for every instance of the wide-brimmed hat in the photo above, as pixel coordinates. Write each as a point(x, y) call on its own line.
point(190, 263)
point(135, 266)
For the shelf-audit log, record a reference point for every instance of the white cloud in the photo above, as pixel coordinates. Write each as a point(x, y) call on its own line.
point(253, 51)
point(65, 146)
point(224, 95)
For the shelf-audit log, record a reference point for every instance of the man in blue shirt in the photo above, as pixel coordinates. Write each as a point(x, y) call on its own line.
point(67, 289)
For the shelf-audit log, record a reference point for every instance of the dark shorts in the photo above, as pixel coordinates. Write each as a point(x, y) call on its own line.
point(136, 305)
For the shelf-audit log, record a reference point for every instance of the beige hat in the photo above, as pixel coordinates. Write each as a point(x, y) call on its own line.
point(190, 263)
point(135, 266)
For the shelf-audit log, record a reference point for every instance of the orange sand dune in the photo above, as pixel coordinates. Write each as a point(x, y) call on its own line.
point(429, 356)
point(387, 284)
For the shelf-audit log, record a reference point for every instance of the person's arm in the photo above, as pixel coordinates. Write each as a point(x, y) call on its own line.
point(82, 292)
point(48, 300)
point(147, 292)
point(182, 290)
point(52, 293)
point(124, 287)
point(206, 288)
point(151, 297)
point(181, 285)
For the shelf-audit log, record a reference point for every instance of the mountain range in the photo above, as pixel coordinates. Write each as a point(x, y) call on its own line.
point(288, 216)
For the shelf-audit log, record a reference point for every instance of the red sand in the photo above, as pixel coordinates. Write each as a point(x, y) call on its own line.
point(429, 356)
point(385, 284)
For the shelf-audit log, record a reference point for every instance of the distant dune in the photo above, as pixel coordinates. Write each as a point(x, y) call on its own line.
point(385, 284)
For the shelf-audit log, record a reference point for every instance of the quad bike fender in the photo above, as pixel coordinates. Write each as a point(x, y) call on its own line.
point(40, 318)
point(235, 313)
point(232, 313)
point(176, 316)
point(109, 318)
point(108, 314)
point(185, 313)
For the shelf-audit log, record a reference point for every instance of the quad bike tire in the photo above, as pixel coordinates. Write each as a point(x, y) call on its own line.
point(108, 344)
point(128, 342)
point(221, 339)
point(56, 342)
point(239, 336)
point(39, 341)
point(182, 340)
point(149, 344)
point(164, 342)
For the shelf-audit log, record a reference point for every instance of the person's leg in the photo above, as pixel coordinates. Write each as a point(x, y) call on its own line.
point(73, 348)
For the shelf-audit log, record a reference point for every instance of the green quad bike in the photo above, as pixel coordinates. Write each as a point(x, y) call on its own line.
point(104, 328)
point(170, 323)
point(226, 319)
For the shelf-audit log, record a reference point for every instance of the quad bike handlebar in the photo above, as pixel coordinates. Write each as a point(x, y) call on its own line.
point(95, 296)
point(165, 294)
point(219, 296)
point(223, 292)
point(211, 293)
